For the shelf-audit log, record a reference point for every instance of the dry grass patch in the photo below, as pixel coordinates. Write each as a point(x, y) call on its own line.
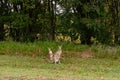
point(82, 54)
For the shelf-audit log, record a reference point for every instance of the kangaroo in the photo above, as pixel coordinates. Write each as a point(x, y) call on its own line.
point(57, 55)
point(50, 54)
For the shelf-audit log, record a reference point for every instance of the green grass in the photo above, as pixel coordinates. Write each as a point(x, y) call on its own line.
point(30, 61)
point(40, 48)
point(104, 51)
point(37, 48)
point(22, 68)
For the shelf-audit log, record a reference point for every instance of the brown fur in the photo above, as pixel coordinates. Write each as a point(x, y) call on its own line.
point(50, 54)
point(56, 56)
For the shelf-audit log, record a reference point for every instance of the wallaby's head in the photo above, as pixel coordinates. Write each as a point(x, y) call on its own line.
point(50, 51)
point(60, 47)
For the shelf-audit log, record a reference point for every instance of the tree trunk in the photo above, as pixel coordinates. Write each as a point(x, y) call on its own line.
point(51, 9)
point(1, 32)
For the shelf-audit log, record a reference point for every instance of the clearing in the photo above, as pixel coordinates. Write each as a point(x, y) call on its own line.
point(39, 68)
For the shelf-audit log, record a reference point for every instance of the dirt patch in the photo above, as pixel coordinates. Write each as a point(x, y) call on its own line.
point(68, 79)
point(27, 78)
point(42, 78)
point(87, 54)
point(83, 54)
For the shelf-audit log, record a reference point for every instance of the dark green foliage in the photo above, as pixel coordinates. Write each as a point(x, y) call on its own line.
point(32, 20)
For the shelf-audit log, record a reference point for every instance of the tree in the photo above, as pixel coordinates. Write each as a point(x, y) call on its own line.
point(82, 19)
point(88, 18)
point(4, 12)
point(114, 16)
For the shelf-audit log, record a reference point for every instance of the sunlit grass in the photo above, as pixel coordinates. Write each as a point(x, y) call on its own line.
point(19, 67)
point(40, 48)
point(105, 51)
point(37, 48)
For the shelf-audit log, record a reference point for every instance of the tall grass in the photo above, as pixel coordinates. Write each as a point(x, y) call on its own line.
point(37, 48)
point(105, 51)
point(40, 48)
point(18, 48)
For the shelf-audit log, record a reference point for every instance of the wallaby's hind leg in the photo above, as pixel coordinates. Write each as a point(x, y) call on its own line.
point(59, 62)
point(55, 62)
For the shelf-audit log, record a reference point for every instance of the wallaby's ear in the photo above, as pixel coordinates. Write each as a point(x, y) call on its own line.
point(60, 46)
point(48, 48)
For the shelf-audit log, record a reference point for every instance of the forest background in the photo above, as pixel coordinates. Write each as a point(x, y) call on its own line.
point(80, 21)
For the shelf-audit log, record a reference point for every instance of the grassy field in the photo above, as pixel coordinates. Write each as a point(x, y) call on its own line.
point(37, 68)
point(30, 61)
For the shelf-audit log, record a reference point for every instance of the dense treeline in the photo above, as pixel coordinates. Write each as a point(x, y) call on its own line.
point(89, 21)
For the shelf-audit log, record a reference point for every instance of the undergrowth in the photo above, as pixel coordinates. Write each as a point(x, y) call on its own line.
point(40, 48)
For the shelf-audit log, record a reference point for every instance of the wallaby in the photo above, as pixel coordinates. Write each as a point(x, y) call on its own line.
point(57, 55)
point(50, 54)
